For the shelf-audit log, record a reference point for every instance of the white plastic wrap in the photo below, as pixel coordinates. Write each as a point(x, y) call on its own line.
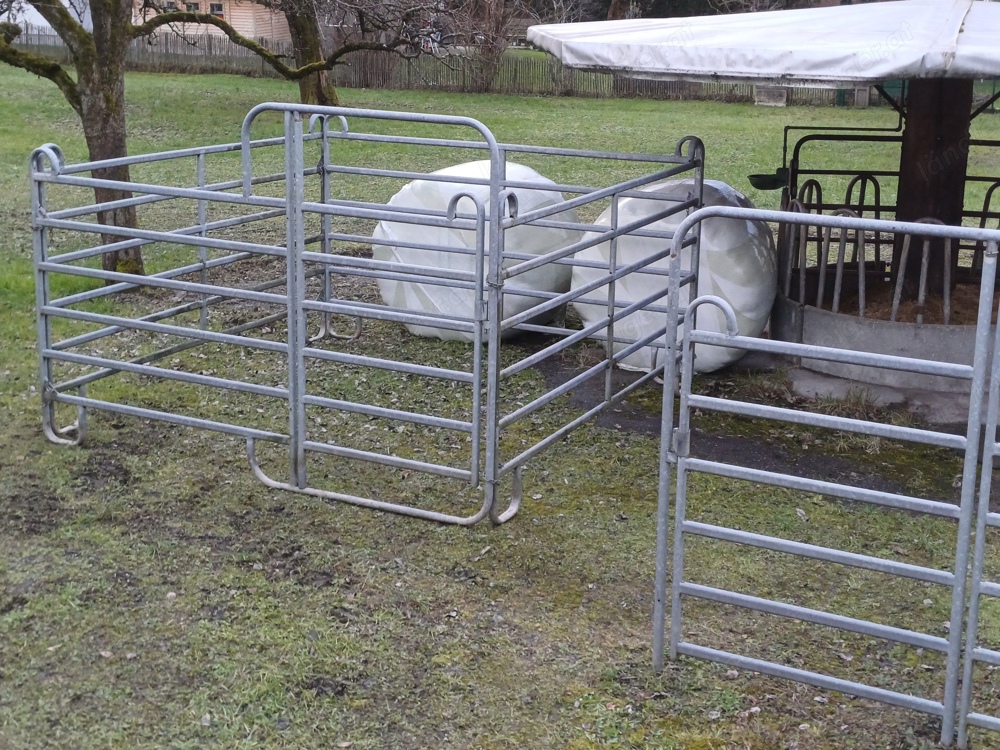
point(449, 301)
point(737, 262)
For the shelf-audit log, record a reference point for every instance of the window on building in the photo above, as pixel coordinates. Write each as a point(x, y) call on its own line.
point(170, 5)
point(192, 7)
point(216, 9)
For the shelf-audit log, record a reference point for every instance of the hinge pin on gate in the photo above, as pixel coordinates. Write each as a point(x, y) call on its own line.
point(682, 442)
point(49, 393)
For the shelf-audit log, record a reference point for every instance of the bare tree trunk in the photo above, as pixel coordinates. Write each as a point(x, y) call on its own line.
point(307, 42)
point(101, 87)
point(618, 10)
point(933, 163)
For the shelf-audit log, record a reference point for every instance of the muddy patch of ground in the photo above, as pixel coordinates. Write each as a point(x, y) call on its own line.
point(33, 512)
point(758, 449)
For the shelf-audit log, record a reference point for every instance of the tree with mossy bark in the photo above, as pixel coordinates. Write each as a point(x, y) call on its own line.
point(98, 54)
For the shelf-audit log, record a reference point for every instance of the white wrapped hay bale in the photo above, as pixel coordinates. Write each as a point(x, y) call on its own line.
point(737, 262)
point(449, 301)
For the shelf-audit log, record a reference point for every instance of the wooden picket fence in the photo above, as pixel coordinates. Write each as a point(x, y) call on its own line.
point(520, 72)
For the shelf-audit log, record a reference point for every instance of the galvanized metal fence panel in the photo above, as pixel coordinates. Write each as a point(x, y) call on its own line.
point(279, 210)
point(677, 459)
point(978, 653)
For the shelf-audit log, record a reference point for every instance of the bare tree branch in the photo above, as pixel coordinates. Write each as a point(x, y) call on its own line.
point(40, 66)
point(70, 30)
point(272, 59)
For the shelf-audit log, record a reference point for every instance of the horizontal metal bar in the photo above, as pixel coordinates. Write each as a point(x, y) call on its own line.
point(804, 484)
point(408, 140)
point(389, 213)
point(815, 616)
point(165, 352)
point(587, 242)
point(613, 155)
point(983, 721)
point(221, 148)
point(583, 200)
point(828, 354)
point(135, 283)
point(170, 312)
point(987, 655)
point(215, 196)
point(566, 429)
point(989, 588)
point(580, 335)
point(380, 458)
point(512, 148)
point(557, 301)
point(168, 237)
point(170, 330)
point(847, 172)
point(557, 331)
point(552, 395)
point(350, 261)
point(406, 175)
point(369, 410)
point(406, 278)
point(155, 281)
point(814, 552)
point(825, 682)
point(367, 239)
point(188, 230)
point(384, 312)
point(826, 421)
point(388, 364)
point(178, 419)
point(580, 226)
point(144, 200)
point(167, 374)
point(993, 519)
point(397, 210)
point(843, 222)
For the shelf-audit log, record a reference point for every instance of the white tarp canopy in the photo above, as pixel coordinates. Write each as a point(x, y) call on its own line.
point(839, 46)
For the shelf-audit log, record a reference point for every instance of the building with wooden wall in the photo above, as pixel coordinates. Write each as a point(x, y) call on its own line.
point(250, 19)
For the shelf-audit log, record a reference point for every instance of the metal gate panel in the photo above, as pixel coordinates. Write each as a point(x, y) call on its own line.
point(281, 207)
point(979, 586)
point(677, 458)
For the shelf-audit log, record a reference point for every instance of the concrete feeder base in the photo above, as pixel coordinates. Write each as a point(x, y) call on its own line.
point(792, 321)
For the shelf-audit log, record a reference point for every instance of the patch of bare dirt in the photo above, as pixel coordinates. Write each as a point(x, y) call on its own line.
point(32, 512)
point(750, 451)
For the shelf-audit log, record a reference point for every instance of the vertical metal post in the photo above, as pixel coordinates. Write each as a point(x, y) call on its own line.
point(681, 450)
point(202, 250)
point(324, 186)
point(859, 254)
point(958, 603)
point(494, 304)
point(609, 371)
point(481, 317)
point(697, 154)
point(824, 260)
point(40, 246)
point(667, 456)
point(296, 288)
point(985, 482)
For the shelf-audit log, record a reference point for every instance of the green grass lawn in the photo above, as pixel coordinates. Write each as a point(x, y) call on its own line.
point(154, 595)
